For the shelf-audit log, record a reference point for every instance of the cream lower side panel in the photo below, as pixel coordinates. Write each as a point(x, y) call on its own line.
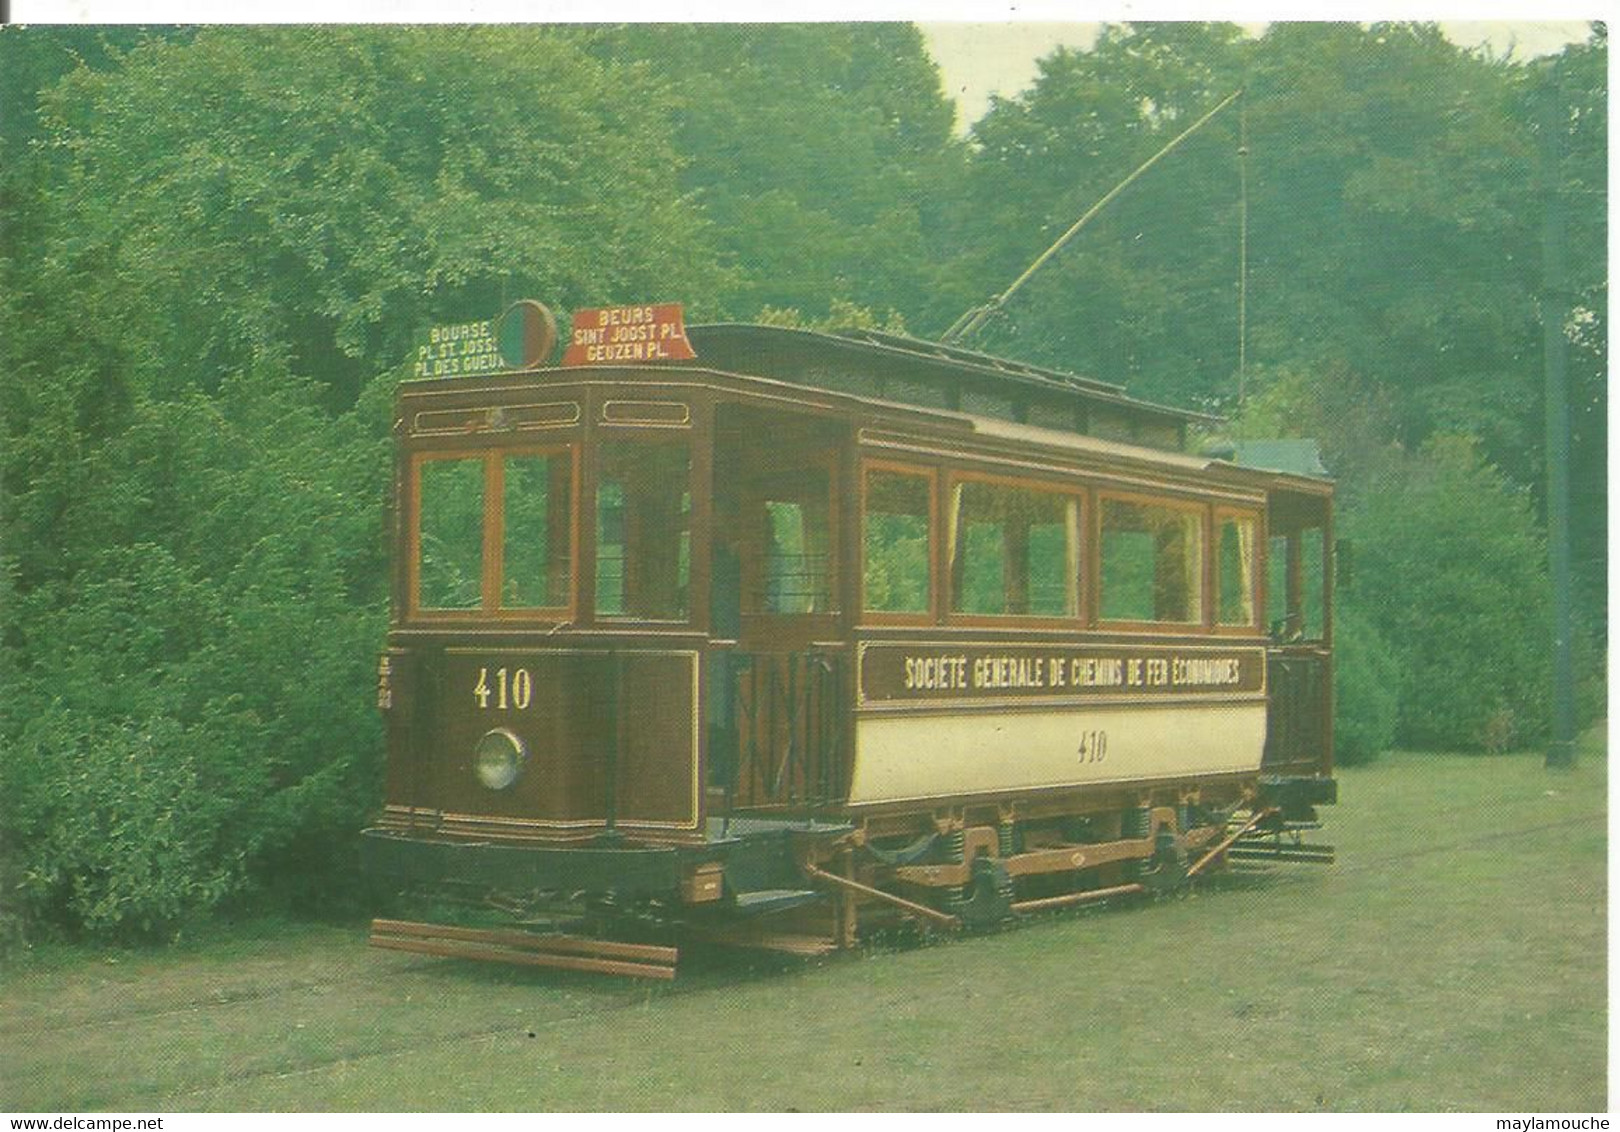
point(902, 758)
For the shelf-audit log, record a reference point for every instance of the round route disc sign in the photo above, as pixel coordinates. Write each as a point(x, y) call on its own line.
point(526, 333)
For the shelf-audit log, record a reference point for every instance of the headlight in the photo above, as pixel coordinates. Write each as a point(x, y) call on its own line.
point(498, 758)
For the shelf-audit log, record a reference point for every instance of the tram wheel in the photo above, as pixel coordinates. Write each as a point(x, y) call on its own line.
point(986, 900)
point(1166, 871)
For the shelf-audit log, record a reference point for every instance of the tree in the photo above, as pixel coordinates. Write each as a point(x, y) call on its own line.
point(1452, 572)
point(1393, 232)
point(182, 716)
point(1576, 81)
point(820, 154)
point(1147, 294)
point(244, 232)
point(1366, 688)
point(312, 197)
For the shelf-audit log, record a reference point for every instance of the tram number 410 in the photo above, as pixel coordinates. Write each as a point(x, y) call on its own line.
point(1093, 746)
point(515, 692)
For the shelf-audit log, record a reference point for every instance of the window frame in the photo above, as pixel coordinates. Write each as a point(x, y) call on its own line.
point(1256, 625)
point(493, 544)
point(930, 475)
point(755, 492)
point(644, 433)
point(1203, 623)
point(1080, 567)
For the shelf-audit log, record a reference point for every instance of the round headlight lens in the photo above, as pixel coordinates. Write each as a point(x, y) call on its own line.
point(498, 758)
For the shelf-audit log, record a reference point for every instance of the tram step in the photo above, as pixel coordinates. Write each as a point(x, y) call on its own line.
point(766, 900)
point(573, 953)
point(1307, 854)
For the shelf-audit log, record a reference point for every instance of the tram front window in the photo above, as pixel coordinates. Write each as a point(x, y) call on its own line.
point(643, 531)
point(536, 558)
point(450, 533)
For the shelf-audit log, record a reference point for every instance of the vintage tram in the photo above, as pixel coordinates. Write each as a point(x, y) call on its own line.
point(791, 635)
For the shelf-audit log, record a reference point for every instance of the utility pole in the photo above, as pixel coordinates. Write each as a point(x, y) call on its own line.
point(1554, 315)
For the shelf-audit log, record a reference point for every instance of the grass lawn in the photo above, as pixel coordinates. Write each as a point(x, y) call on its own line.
point(1453, 959)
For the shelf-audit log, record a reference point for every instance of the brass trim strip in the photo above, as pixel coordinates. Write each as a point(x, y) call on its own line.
point(1171, 483)
point(646, 414)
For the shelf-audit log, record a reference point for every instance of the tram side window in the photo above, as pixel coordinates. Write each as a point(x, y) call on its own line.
point(797, 558)
point(450, 534)
point(537, 553)
point(643, 531)
point(895, 572)
point(1313, 554)
point(1297, 615)
point(1014, 551)
point(1152, 562)
point(1235, 570)
point(1277, 585)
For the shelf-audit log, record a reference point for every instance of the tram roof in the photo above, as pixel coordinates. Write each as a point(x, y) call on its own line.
point(854, 364)
point(831, 360)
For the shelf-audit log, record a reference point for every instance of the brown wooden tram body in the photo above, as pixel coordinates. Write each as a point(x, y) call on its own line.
point(815, 632)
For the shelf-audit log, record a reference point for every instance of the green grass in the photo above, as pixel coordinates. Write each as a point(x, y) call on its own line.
point(1454, 958)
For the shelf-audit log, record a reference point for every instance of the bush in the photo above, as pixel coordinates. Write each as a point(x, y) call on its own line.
point(1366, 688)
point(183, 742)
point(128, 826)
point(186, 710)
point(1453, 570)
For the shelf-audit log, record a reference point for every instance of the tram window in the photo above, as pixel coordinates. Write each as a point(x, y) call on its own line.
point(1277, 584)
point(796, 556)
point(450, 534)
point(895, 542)
point(1296, 616)
point(1052, 414)
point(1152, 562)
point(1313, 552)
point(537, 555)
point(987, 404)
point(1014, 551)
point(643, 531)
point(1234, 566)
point(913, 392)
point(1152, 435)
point(1110, 426)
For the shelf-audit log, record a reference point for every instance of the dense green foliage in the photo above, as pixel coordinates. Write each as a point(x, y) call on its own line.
point(821, 156)
point(217, 247)
point(182, 708)
point(1452, 568)
point(1366, 688)
point(1395, 205)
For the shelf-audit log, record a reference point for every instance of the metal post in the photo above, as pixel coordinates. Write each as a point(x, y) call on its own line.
point(1554, 314)
point(1243, 252)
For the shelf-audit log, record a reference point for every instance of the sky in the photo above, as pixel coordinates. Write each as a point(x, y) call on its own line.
point(983, 47)
point(981, 58)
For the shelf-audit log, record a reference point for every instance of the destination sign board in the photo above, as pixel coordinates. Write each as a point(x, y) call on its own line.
point(918, 673)
point(605, 336)
point(523, 337)
point(462, 349)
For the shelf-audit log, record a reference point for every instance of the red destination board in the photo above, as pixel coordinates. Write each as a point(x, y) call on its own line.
point(607, 336)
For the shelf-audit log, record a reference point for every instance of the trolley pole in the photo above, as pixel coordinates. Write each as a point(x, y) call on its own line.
point(974, 320)
point(1554, 314)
